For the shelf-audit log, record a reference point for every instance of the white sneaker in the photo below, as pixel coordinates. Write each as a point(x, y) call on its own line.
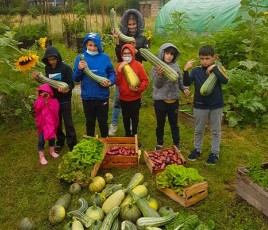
point(112, 129)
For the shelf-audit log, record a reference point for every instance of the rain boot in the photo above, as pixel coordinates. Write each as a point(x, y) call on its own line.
point(52, 152)
point(42, 158)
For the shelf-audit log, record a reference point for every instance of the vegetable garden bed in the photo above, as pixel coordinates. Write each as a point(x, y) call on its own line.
point(253, 193)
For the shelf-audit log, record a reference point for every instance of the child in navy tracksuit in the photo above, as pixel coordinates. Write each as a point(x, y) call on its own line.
point(95, 96)
point(206, 108)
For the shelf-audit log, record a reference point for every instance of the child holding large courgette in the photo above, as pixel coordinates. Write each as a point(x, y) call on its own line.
point(96, 73)
point(166, 94)
point(131, 86)
point(208, 107)
point(130, 31)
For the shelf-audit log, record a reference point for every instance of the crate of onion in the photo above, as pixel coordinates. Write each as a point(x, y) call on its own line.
point(157, 160)
point(121, 152)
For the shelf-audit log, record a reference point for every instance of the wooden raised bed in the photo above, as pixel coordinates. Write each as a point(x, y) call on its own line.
point(191, 195)
point(252, 192)
point(150, 164)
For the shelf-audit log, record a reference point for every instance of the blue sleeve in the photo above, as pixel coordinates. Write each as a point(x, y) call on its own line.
point(187, 80)
point(111, 73)
point(222, 76)
point(77, 73)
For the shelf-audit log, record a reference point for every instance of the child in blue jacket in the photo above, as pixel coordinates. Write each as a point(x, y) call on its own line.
point(95, 96)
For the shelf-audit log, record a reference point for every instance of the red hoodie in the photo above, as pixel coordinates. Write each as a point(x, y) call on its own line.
point(125, 93)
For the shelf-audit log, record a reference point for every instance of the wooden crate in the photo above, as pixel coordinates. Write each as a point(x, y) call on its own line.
point(191, 195)
point(252, 192)
point(114, 161)
point(150, 164)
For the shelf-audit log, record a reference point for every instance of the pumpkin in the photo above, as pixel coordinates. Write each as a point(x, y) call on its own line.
point(75, 188)
point(95, 213)
point(56, 214)
point(130, 212)
point(97, 184)
point(96, 198)
point(26, 224)
point(165, 210)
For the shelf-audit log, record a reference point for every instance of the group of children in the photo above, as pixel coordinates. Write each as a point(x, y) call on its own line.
point(95, 96)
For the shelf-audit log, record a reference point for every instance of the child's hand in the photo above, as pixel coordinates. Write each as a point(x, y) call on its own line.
point(115, 36)
point(82, 64)
point(35, 75)
point(189, 65)
point(121, 66)
point(210, 68)
point(133, 88)
point(159, 70)
point(63, 90)
point(106, 83)
point(187, 92)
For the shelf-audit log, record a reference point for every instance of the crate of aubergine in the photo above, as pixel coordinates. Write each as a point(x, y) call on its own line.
point(157, 160)
point(121, 152)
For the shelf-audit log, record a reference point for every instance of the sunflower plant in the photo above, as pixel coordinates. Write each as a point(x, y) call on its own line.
point(18, 59)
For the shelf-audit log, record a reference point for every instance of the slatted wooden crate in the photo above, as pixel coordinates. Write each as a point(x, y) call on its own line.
point(253, 193)
point(151, 165)
point(191, 195)
point(119, 161)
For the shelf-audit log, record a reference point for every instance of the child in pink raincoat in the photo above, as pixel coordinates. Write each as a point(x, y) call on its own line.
point(47, 120)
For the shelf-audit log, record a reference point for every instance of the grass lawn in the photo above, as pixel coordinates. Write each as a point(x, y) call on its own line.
point(30, 190)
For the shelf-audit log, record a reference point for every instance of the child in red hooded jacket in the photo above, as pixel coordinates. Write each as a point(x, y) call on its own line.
point(129, 96)
point(47, 120)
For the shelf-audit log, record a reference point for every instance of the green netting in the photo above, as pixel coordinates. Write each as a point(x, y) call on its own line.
point(201, 15)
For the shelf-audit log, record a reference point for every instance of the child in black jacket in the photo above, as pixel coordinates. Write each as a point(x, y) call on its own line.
point(56, 69)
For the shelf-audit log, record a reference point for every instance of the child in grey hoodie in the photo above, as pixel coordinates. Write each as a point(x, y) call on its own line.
point(166, 95)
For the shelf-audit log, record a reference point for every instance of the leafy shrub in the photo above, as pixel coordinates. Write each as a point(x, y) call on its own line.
point(245, 96)
point(16, 100)
point(31, 32)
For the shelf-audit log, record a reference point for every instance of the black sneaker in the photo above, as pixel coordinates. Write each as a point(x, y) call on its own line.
point(194, 155)
point(58, 148)
point(212, 159)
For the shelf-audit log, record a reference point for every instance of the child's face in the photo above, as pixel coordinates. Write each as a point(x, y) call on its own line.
point(126, 53)
point(206, 60)
point(44, 94)
point(91, 46)
point(168, 57)
point(52, 61)
point(132, 26)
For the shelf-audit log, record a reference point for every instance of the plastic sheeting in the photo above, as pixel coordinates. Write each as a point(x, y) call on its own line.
point(202, 15)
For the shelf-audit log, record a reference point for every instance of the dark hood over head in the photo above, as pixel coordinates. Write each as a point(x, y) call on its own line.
point(51, 51)
point(140, 22)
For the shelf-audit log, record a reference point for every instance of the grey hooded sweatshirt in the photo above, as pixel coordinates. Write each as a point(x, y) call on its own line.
point(163, 88)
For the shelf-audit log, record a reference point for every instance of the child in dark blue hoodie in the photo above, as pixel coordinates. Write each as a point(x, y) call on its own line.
point(56, 69)
point(95, 96)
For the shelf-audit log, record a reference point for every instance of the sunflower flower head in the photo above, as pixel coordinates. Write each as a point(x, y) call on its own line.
point(26, 61)
point(42, 42)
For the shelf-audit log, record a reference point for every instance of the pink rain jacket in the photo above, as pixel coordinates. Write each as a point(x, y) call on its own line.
point(46, 113)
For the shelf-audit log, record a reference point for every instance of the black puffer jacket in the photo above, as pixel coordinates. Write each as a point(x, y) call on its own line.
point(62, 72)
point(141, 41)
